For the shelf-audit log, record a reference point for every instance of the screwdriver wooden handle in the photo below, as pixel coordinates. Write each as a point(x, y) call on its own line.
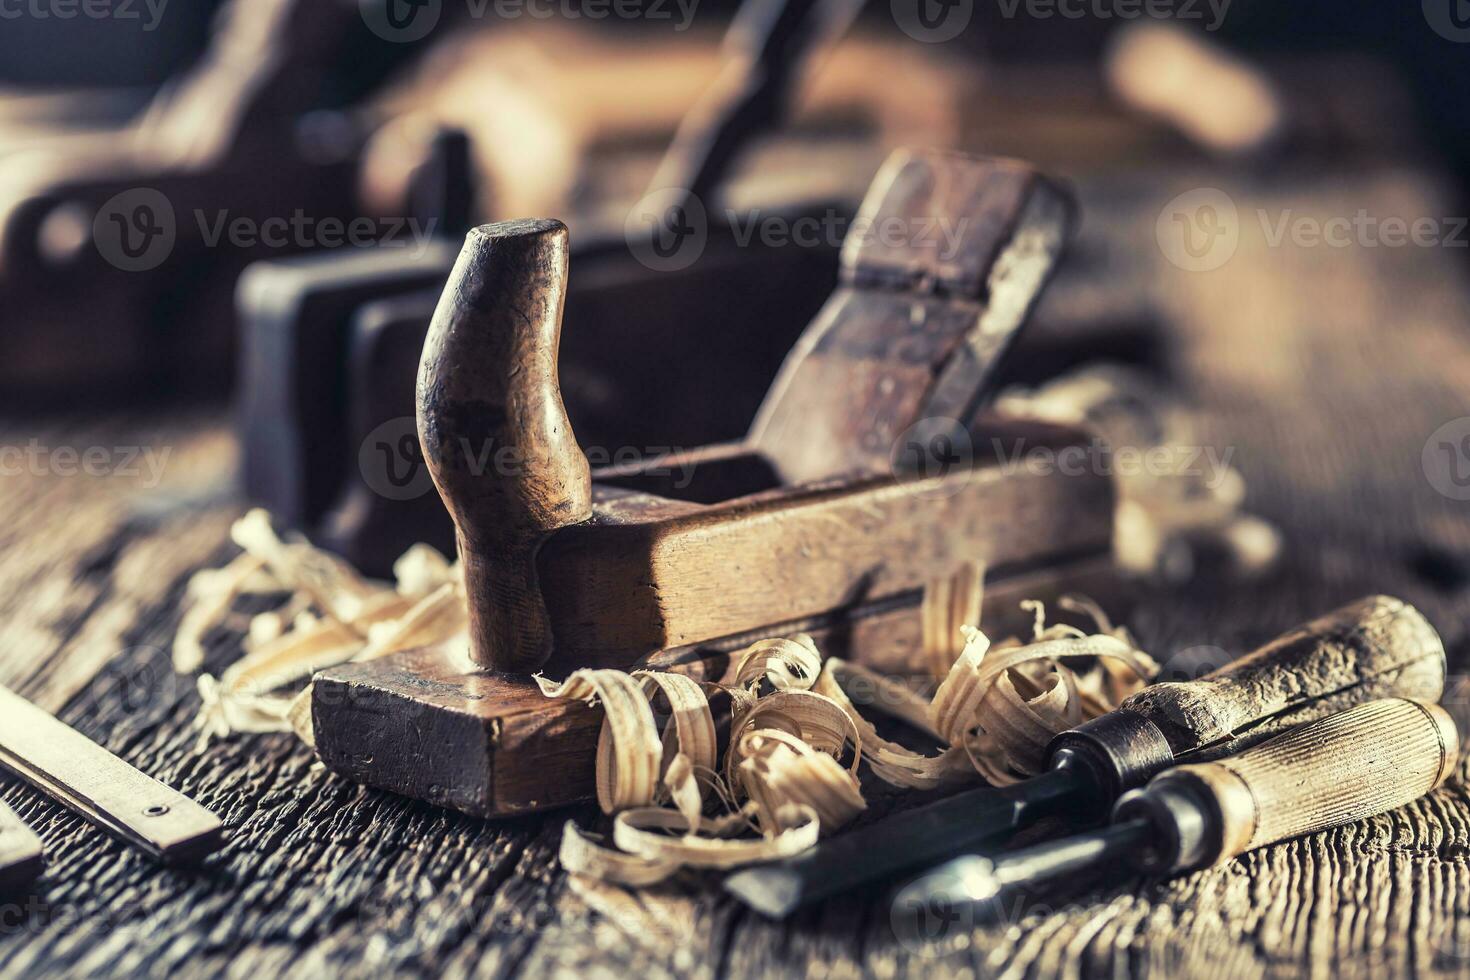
point(495, 433)
point(1356, 764)
point(1375, 647)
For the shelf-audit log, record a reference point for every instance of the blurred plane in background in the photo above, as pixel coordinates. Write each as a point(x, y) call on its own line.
point(134, 146)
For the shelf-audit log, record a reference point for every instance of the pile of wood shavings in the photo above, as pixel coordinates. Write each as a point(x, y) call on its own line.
point(1187, 500)
point(331, 616)
point(783, 781)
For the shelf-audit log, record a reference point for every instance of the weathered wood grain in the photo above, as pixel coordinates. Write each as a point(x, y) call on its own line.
point(1325, 369)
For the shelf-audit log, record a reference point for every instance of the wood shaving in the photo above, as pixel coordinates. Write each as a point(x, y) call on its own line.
point(331, 616)
point(950, 602)
point(628, 747)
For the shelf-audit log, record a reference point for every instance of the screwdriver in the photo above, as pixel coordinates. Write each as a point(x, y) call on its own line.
point(1350, 766)
point(1375, 647)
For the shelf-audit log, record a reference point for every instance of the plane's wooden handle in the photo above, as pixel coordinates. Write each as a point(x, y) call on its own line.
point(1356, 764)
point(495, 433)
point(1375, 647)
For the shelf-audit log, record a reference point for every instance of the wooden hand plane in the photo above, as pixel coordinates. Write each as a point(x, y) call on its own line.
point(852, 490)
point(331, 340)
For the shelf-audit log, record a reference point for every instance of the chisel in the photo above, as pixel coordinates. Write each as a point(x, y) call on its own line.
point(1372, 648)
point(82, 775)
point(1353, 765)
point(20, 852)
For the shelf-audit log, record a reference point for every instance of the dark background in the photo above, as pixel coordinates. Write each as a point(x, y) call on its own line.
point(83, 52)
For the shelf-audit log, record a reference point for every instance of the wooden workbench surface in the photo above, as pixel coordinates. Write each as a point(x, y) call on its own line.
point(1323, 369)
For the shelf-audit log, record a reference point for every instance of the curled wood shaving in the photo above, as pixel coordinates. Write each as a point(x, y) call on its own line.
point(212, 592)
point(628, 747)
point(788, 663)
point(641, 832)
point(890, 761)
point(783, 774)
point(580, 855)
point(331, 616)
point(949, 603)
point(810, 718)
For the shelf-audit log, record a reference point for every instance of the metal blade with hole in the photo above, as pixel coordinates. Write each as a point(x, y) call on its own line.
point(85, 777)
point(20, 852)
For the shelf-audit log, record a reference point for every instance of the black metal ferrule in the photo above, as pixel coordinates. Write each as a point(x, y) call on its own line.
point(1186, 829)
point(1119, 751)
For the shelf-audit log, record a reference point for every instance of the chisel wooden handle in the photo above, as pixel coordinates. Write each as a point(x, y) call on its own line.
point(495, 433)
point(1353, 765)
point(1375, 647)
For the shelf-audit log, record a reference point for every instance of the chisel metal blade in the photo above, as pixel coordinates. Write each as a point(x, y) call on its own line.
point(909, 839)
point(20, 852)
point(976, 880)
point(80, 774)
